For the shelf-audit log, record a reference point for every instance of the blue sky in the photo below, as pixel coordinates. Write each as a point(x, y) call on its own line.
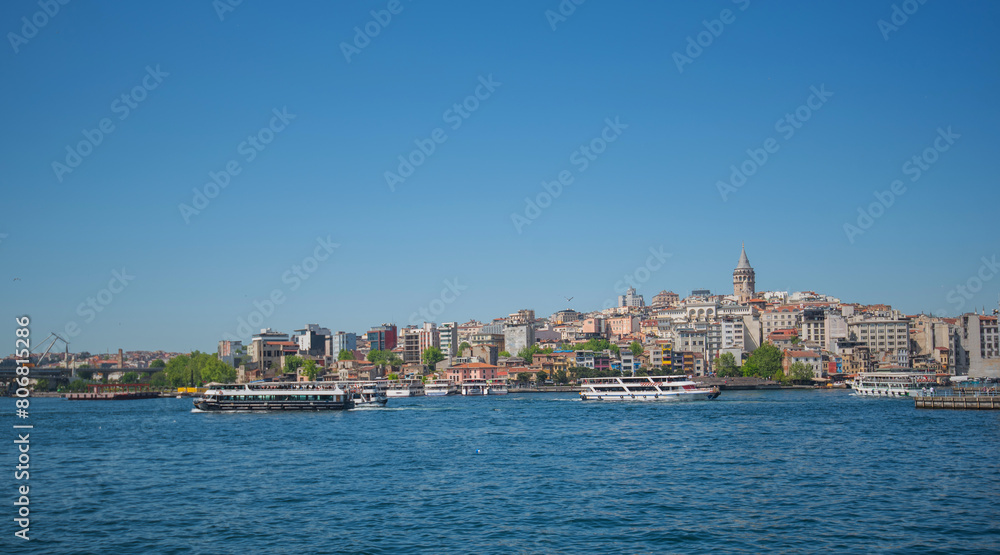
point(214, 81)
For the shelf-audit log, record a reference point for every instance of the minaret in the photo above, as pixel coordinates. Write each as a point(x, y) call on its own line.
point(744, 281)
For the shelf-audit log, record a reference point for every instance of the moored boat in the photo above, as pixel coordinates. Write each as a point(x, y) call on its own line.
point(440, 388)
point(645, 388)
point(406, 388)
point(274, 396)
point(496, 387)
point(475, 387)
point(892, 384)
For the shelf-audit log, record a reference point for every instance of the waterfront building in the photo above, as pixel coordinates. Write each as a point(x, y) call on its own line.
point(630, 363)
point(780, 318)
point(660, 358)
point(978, 350)
point(472, 371)
point(382, 338)
point(883, 335)
point(811, 358)
point(554, 361)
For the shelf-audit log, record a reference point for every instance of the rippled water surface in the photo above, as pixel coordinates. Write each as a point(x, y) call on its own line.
point(775, 471)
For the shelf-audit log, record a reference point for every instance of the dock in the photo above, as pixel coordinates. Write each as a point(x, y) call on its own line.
point(970, 401)
point(115, 392)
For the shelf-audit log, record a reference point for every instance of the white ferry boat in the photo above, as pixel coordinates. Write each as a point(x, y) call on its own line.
point(645, 388)
point(272, 396)
point(440, 388)
point(475, 387)
point(367, 393)
point(891, 384)
point(406, 388)
point(496, 387)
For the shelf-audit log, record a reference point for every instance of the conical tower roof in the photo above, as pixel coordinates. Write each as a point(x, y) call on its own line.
point(744, 261)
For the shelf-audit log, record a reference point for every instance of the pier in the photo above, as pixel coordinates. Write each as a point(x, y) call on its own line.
point(972, 400)
point(115, 392)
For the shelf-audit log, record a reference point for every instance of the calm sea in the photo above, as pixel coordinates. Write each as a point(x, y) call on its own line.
point(775, 471)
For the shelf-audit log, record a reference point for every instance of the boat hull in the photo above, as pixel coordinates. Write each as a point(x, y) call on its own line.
point(267, 406)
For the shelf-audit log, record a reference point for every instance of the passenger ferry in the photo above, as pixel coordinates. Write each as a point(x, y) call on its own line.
point(645, 388)
point(406, 388)
point(475, 387)
point(270, 396)
point(440, 388)
point(367, 393)
point(496, 387)
point(891, 384)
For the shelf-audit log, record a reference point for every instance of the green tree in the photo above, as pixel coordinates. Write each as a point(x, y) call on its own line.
point(764, 362)
point(504, 353)
point(641, 372)
point(159, 379)
point(293, 363)
point(198, 368)
point(725, 366)
point(42, 385)
point(393, 376)
point(636, 348)
point(85, 374)
point(541, 376)
point(795, 340)
point(523, 378)
point(431, 356)
point(463, 347)
point(800, 372)
point(344, 354)
point(158, 363)
point(129, 377)
point(310, 369)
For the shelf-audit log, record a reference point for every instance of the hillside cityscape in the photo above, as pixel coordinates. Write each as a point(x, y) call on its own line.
point(806, 336)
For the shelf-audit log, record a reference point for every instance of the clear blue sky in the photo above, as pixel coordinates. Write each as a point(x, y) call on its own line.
point(322, 175)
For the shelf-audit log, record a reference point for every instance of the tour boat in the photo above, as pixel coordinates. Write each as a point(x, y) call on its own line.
point(645, 388)
point(273, 396)
point(440, 388)
point(475, 387)
point(496, 387)
point(367, 393)
point(406, 388)
point(891, 384)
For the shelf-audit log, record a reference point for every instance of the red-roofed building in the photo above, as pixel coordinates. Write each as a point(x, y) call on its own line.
point(472, 371)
